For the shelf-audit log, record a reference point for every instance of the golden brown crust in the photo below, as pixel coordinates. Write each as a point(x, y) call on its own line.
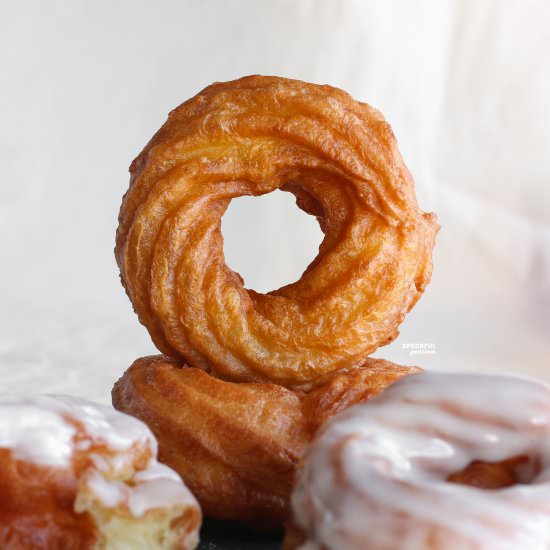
point(346, 388)
point(236, 445)
point(249, 137)
point(491, 475)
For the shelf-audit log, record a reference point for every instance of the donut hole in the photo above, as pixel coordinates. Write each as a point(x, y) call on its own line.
point(268, 240)
point(516, 470)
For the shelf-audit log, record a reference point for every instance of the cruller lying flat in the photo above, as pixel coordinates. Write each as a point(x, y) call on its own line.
point(236, 445)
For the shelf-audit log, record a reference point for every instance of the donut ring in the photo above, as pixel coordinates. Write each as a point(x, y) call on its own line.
point(77, 475)
point(417, 467)
point(236, 445)
point(249, 137)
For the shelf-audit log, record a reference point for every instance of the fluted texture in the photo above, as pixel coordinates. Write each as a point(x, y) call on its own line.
point(236, 445)
point(250, 137)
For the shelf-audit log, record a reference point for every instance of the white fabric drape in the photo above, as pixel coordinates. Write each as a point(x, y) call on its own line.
point(465, 85)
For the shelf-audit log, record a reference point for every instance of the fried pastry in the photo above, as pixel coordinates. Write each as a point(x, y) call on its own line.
point(249, 137)
point(76, 475)
point(236, 445)
point(436, 461)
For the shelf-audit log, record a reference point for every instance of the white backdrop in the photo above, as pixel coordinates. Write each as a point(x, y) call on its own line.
point(84, 84)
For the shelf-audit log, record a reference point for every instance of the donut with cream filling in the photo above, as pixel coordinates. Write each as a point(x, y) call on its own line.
point(76, 475)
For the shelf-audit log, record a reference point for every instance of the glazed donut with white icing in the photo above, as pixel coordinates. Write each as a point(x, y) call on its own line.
point(76, 475)
point(436, 461)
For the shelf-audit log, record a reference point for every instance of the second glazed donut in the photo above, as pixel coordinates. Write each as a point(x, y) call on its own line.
point(437, 462)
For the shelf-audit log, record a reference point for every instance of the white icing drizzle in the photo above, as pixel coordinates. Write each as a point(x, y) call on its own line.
point(39, 430)
point(34, 433)
point(376, 476)
point(36, 428)
point(155, 487)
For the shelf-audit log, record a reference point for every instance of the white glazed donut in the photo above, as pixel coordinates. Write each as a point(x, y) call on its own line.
point(76, 475)
point(379, 475)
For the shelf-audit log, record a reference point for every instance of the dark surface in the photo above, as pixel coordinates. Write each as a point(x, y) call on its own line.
point(218, 535)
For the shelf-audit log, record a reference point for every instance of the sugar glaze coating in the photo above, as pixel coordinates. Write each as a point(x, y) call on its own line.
point(52, 430)
point(376, 477)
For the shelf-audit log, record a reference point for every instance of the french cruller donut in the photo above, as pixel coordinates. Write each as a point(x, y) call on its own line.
point(249, 137)
point(236, 444)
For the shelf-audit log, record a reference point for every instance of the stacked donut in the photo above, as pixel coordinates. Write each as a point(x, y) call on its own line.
point(268, 406)
point(246, 379)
